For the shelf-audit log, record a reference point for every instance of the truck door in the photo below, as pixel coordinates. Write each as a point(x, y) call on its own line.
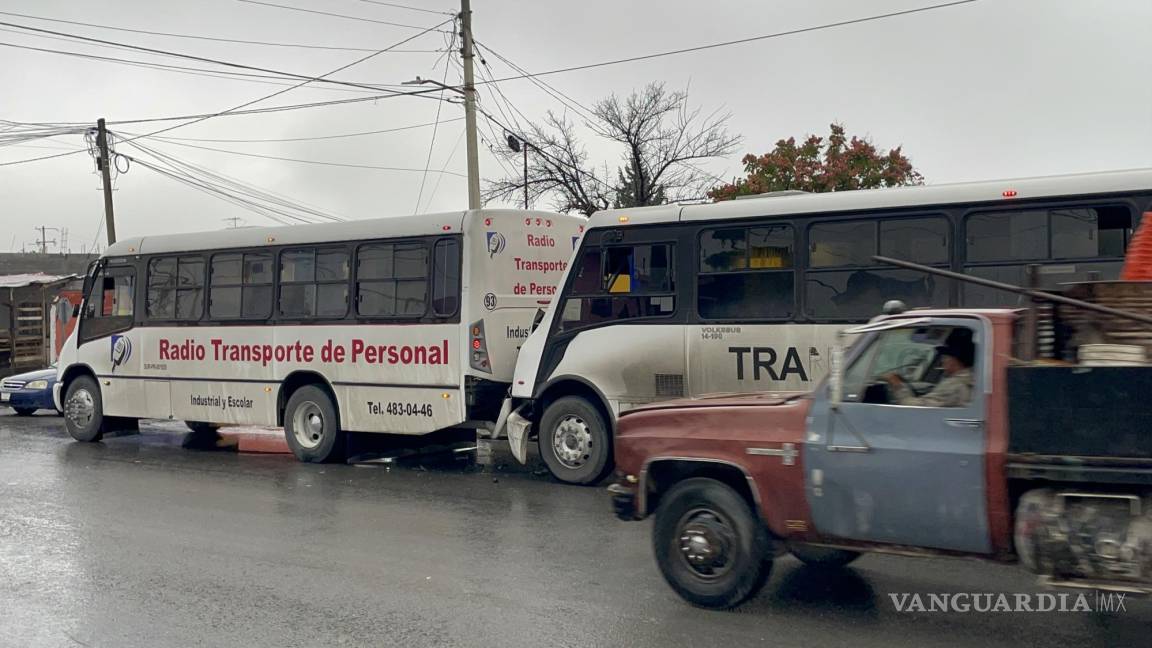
point(912, 474)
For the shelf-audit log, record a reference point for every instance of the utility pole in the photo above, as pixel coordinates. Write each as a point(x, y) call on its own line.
point(469, 105)
point(106, 173)
point(43, 240)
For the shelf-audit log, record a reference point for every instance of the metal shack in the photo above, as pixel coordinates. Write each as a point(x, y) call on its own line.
point(26, 319)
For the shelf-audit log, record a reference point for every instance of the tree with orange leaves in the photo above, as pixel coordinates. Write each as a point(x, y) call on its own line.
point(820, 164)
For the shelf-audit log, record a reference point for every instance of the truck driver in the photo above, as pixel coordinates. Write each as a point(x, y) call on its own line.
point(955, 390)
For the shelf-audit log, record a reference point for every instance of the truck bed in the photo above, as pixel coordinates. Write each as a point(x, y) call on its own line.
point(1085, 416)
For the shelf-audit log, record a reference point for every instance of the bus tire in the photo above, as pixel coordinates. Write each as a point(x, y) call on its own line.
point(200, 427)
point(575, 442)
point(710, 546)
point(84, 410)
point(312, 426)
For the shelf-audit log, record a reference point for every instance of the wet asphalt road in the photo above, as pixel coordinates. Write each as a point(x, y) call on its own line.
point(137, 542)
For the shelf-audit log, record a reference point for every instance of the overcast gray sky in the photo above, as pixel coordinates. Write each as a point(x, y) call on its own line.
point(991, 89)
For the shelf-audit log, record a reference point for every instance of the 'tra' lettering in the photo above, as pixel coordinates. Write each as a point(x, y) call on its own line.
point(764, 359)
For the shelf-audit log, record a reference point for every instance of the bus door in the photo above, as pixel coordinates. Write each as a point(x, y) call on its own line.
point(106, 341)
point(618, 323)
point(742, 338)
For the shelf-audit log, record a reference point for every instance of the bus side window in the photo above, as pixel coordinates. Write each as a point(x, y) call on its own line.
point(446, 277)
point(746, 273)
point(620, 282)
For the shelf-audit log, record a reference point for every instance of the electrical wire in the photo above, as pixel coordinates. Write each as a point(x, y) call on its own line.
point(254, 101)
point(237, 189)
point(435, 128)
point(178, 69)
point(328, 13)
point(272, 109)
point(206, 38)
point(549, 89)
point(203, 59)
point(444, 168)
point(400, 6)
point(349, 165)
point(740, 41)
point(309, 139)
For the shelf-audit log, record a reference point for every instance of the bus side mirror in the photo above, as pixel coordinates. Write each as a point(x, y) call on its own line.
point(536, 320)
point(836, 374)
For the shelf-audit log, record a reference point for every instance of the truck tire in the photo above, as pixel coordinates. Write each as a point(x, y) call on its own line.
point(712, 548)
point(312, 426)
point(575, 442)
point(84, 410)
point(822, 556)
point(24, 411)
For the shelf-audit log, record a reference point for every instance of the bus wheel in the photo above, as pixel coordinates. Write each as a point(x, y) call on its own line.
point(709, 545)
point(574, 441)
point(312, 426)
point(84, 410)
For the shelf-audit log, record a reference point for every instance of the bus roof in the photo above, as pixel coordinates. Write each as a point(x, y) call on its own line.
point(993, 191)
point(369, 228)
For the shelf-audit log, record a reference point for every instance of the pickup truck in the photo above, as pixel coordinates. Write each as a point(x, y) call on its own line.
point(1046, 463)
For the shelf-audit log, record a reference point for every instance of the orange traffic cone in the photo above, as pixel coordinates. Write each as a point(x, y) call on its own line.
point(1138, 260)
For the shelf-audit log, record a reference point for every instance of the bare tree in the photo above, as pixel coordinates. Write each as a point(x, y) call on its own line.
point(662, 140)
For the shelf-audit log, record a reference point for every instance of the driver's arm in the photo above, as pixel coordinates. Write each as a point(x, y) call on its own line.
point(950, 392)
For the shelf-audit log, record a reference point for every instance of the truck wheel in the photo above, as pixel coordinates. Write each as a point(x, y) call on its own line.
point(574, 441)
point(200, 427)
point(710, 545)
point(822, 556)
point(84, 410)
point(312, 426)
point(24, 411)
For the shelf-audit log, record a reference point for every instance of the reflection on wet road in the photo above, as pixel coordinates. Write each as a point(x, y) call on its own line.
point(138, 542)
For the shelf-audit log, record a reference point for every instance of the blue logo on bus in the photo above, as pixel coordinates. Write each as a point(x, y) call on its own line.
point(121, 350)
point(496, 243)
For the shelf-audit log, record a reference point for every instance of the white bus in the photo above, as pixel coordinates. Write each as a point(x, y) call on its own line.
point(399, 325)
point(748, 295)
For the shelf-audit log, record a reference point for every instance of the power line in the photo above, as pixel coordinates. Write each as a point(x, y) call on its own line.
point(235, 190)
point(435, 128)
point(288, 107)
point(686, 50)
point(177, 69)
point(309, 139)
point(298, 160)
point(204, 59)
point(328, 13)
point(444, 168)
point(400, 6)
point(206, 38)
point(549, 89)
point(254, 101)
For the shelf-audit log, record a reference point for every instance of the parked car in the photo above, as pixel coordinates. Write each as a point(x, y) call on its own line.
point(27, 392)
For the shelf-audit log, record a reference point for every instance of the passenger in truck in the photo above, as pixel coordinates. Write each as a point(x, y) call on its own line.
point(955, 389)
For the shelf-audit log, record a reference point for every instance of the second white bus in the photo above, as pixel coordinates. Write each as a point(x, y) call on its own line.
point(748, 295)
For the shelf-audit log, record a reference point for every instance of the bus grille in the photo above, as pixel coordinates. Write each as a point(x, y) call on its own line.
point(669, 385)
